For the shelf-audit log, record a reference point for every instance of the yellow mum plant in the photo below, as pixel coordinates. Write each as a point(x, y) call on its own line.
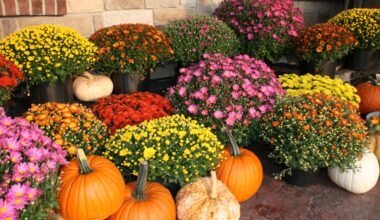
point(364, 23)
point(296, 85)
point(47, 53)
point(178, 149)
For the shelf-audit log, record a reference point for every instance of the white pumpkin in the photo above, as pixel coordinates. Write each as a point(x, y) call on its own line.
point(88, 87)
point(357, 181)
point(207, 199)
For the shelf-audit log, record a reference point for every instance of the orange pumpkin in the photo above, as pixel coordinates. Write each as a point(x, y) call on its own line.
point(241, 171)
point(370, 97)
point(149, 200)
point(91, 188)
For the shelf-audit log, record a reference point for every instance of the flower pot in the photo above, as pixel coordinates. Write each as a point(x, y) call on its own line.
point(125, 83)
point(163, 77)
point(327, 68)
point(358, 59)
point(58, 92)
point(172, 187)
point(302, 178)
point(5, 105)
point(180, 65)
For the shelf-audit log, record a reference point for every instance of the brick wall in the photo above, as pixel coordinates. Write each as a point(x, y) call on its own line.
point(32, 7)
point(87, 16)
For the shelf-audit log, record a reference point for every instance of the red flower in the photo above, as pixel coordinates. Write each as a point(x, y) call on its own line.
point(117, 111)
point(10, 74)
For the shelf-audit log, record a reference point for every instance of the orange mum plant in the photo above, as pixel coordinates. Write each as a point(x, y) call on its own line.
point(130, 48)
point(70, 125)
point(323, 42)
point(312, 131)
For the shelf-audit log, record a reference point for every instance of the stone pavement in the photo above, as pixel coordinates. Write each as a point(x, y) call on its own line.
point(322, 201)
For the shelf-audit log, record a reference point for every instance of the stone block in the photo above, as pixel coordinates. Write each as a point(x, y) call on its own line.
point(162, 3)
point(83, 23)
point(123, 4)
point(208, 6)
point(163, 15)
point(152, 3)
point(169, 3)
point(7, 26)
point(75, 6)
point(98, 21)
point(110, 18)
point(189, 3)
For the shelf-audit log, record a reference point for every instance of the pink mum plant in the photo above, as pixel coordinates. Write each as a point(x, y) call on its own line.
point(29, 163)
point(264, 26)
point(232, 93)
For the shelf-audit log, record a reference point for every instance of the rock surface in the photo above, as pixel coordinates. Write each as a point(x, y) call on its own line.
point(323, 200)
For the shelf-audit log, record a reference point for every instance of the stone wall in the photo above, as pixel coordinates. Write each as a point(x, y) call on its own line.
point(87, 16)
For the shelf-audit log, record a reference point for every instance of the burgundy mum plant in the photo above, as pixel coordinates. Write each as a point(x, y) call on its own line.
point(264, 26)
point(226, 93)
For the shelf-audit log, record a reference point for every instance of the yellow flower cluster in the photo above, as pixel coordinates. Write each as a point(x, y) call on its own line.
point(296, 85)
point(364, 23)
point(47, 53)
point(178, 149)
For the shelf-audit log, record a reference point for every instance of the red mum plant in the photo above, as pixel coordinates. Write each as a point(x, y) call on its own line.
point(10, 76)
point(117, 111)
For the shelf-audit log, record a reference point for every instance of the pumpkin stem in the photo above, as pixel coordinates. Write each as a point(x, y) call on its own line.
point(234, 147)
point(139, 190)
point(84, 166)
point(374, 81)
point(214, 184)
point(87, 75)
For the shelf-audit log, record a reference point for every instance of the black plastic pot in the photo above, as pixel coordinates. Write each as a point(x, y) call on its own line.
point(125, 83)
point(172, 187)
point(327, 68)
point(58, 92)
point(358, 59)
point(302, 178)
point(162, 78)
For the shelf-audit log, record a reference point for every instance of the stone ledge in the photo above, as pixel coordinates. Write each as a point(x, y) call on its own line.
point(123, 4)
point(163, 15)
point(81, 6)
point(80, 22)
point(110, 18)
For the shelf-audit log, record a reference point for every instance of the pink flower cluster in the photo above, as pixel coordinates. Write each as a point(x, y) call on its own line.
point(228, 90)
point(27, 160)
point(265, 27)
point(262, 18)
